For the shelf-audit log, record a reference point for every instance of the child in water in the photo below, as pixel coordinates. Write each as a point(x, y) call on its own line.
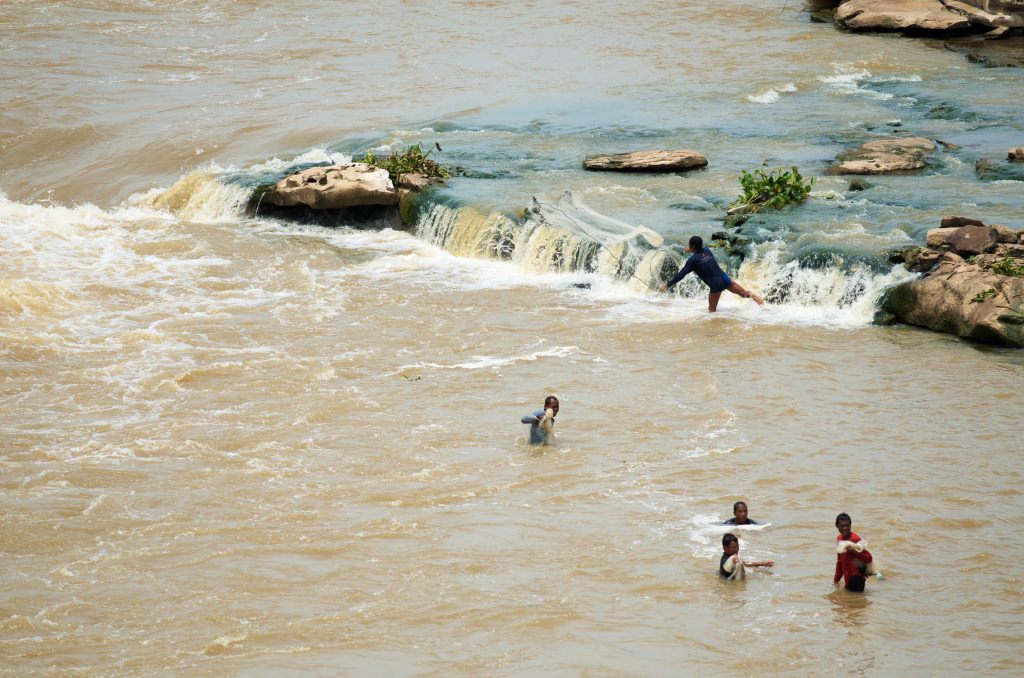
point(731, 566)
point(853, 561)
point(739, 515)
point(542, 422)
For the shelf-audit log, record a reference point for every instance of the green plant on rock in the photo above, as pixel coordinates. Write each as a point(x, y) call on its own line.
point(410, 161)
point(1007, 267)
point(776, 188)
point(982, 296)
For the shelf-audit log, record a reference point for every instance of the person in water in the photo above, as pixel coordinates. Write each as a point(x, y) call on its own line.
point(853, 561)
point(702, 262)
point(542, 422)
point(731, 566)
point(739, 515)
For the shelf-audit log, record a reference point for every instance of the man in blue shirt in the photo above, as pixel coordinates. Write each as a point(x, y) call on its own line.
point(542, 422)
point(702, 262)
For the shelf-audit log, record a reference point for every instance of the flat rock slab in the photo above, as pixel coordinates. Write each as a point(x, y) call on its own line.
point(884, 156)
point(335, 187)
point(899, 15)
point(646, 161)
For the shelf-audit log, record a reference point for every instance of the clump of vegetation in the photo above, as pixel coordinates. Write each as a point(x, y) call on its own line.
point(411, 161)
point(982, 296)
point(776, 188)
point(1007, 267)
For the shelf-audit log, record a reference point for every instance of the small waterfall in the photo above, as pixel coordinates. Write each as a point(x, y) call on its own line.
point(533, 244)
point(201, 195)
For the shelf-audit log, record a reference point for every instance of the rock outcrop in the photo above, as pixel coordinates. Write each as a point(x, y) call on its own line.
point(978, 297)
point(335, 187)
point(900, 15)
point(352, 193)
point(884, 156)
point(1015, 154)
point(926, 16)
point(646, 161)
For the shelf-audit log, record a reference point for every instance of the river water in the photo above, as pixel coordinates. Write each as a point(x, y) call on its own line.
point(236, 445)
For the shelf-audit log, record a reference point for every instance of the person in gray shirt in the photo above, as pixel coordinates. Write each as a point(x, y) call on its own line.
point(542, 423)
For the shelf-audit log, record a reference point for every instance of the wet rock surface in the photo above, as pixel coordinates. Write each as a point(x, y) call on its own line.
point(973, 283)
point(646, 161)
point(885, 156)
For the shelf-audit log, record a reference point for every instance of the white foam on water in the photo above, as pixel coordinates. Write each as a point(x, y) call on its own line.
point(490, 362)
point(769, 97)
point(848, 79)
point(897, 78)
point(630, 194)
point(275, 164)
point(706, 531)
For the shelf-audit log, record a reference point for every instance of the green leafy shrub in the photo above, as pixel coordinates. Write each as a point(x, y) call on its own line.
point(411, 161)
point(1007, 267)
point(776, 188)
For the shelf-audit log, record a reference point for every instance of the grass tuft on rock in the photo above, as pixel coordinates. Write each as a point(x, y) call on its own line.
point(410, 161)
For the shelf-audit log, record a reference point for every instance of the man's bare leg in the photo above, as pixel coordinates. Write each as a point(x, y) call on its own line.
point(736, 288)
point(713, 298)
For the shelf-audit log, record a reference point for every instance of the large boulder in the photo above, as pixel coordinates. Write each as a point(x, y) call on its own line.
point(646, 161)
point(900, 15)
point(968, 241)
point(965, 299)
point(334, 188)
point(885, 156)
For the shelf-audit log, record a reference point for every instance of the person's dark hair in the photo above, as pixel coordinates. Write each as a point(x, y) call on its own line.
point(729, 539)
point(696, 243)
point(547, 401)
point(737, 505)
point(843, 516)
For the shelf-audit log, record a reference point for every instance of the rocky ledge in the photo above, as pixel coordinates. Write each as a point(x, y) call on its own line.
point(646, 161)
point(973, 283)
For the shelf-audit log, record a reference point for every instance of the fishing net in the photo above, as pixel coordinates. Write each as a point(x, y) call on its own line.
point(568, 213)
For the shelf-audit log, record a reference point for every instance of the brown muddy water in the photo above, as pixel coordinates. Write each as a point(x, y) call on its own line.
point(244, 446)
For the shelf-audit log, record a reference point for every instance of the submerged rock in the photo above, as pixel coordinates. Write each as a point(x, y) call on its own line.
point(1007, 52)
point(884, 156)
point(646, 161)
point(998, 170)
point(1015, 154)
point(972, 297)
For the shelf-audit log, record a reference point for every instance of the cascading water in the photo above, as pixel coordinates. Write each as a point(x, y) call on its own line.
point(567, 237)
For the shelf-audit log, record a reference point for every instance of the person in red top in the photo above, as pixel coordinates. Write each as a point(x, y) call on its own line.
point(851, 564)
